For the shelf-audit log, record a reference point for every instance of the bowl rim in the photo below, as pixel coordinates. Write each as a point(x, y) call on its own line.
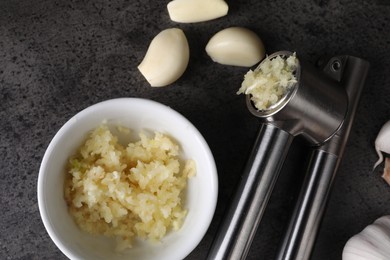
point(85, 112)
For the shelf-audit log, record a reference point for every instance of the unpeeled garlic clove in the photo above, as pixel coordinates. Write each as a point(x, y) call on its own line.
point(236, 46)
point(382, 143)
point(193, 11)
point(386, 171)
point(166, 58)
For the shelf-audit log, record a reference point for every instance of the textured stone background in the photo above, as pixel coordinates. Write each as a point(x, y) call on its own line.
point(58, 57)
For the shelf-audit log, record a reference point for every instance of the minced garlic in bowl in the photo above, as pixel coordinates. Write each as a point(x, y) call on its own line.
point(101, 180)
point(127, 191)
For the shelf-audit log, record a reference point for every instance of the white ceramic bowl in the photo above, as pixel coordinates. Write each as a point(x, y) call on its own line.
point(136, 114)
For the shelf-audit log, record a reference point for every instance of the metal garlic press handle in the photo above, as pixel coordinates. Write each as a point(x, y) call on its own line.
point(261, 172)
point(305, 222)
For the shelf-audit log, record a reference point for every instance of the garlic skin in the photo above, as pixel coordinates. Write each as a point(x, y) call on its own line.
point(382, 142)
point(166, 58)
point(236, 46)
point(386, 171)
point(373, 243)
point(194, 11)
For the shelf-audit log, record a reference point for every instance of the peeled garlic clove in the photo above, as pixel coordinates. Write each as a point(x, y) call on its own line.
point(382, 142)
point(193, 11)
point(166, 58)
point(236, 46)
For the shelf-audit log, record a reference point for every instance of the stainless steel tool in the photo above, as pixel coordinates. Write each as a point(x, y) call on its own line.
point(320, 107)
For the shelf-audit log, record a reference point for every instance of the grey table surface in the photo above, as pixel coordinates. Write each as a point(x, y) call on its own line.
point(58, 57)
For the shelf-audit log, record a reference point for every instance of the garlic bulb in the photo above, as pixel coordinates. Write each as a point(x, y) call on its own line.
point(193, 11)
point(166, 58)
point(236, 46)
point(382, 142)
point(373, 243)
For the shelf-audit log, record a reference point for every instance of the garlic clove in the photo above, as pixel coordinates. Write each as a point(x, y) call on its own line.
point(166, 58)
point(236, 46)
point(386, 171)
point(193, 11)
point(382, 142)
